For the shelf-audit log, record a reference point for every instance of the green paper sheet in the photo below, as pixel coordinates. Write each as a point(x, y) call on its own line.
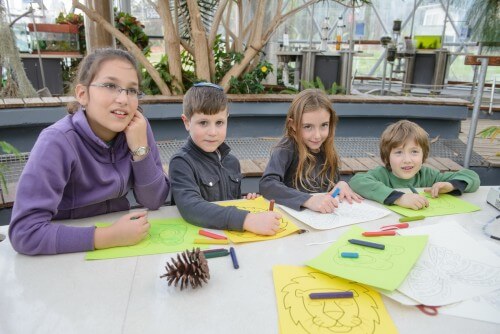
point(165, 236)
point(385, 269)
point(443, 205)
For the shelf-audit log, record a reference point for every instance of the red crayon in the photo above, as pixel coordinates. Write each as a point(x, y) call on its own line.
point(379, 233)
point(211, 235)
point(271, 205)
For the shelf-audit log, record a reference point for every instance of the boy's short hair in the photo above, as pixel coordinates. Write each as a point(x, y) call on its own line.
point(204, 98)
point(399, 133)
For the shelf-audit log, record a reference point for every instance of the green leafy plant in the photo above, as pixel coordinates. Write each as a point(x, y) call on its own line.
point(148, 85)
point(251, 82)
point(75, 19)
point(131, 27)
point(316, 84)
point(7, 149)
point(490, 132)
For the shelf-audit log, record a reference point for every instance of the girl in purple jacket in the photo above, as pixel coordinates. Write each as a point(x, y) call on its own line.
point(85, 164)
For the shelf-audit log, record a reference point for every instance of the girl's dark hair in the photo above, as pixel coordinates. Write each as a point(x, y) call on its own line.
point(91, 64)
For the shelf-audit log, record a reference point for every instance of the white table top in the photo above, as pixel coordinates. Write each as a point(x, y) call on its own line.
point(66, 294)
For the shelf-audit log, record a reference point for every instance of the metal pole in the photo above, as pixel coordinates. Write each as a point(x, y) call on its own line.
point(413, 17)
point(40, 61)
point(351, 54)
point(475, 112)
point(384, 69)
point(490, 112)
point(445, 19)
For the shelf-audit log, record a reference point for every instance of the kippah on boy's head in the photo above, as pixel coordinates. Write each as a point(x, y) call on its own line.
point(400, 133)
point(204, 98)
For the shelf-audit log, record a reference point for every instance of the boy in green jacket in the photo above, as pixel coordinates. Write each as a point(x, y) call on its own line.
point(404, 147)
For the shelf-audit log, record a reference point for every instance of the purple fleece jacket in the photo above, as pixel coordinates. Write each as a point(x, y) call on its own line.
point(71, 174)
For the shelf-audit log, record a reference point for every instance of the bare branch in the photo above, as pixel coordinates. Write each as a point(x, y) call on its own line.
point(131, 47)
point(216, 21)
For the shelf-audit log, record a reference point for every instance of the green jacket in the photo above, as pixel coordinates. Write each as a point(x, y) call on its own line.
point(377, 184)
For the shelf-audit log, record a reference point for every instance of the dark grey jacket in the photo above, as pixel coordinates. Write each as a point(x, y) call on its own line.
point(277, 181)
point(199, 178)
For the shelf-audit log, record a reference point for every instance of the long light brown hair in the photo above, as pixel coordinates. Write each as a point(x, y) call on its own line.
point(307, 101)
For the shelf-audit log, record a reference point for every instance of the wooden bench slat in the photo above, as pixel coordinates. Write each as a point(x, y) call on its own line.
point(344, 167)
point(439, 166)
point(356, 165)
point(368, 162)
point(450, 164)
point(261, 163)
point(249, 168)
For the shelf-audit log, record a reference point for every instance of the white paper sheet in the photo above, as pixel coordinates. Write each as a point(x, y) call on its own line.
point(345, 214)
point(484, 308)
point(453, 267)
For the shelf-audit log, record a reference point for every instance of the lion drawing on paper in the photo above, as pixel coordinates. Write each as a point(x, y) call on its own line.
point(343, 315)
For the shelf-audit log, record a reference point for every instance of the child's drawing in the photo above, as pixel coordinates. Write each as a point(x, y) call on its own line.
point(369, 258)
point(452, 268)
point(345, 214)
point(298, 313)
point(444, 204)
point(164, 236)
point(255, 206)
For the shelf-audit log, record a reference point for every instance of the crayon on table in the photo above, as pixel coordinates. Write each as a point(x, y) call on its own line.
point(325, 295)
point(379, 233)
point(411, 219)
point(394, 226)
point(366, 243)
point(211, 235)
point(233, 257)
point(350, 255)
point(214, 250)
point(336, 192)
point(413, 190)
point(211, 241)
point(216, 254)
point(271, 205)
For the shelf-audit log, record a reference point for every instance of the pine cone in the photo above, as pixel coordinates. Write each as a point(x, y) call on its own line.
point(191, 268)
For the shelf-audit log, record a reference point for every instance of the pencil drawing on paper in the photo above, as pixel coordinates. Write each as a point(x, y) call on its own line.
point(169, 234)
point(247, 234)
point(369, 258)
point(443, 268)
point(350, 315)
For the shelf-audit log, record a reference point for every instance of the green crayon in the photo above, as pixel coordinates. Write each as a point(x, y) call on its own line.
point(410, 219)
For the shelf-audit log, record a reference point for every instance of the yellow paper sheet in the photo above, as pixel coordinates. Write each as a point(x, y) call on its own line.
point(364, 313)
point(255, 206)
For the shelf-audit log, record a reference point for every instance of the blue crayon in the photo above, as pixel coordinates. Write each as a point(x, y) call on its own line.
point(352, 255)
point(366, 243)
point(233, 257)
point(336, 192)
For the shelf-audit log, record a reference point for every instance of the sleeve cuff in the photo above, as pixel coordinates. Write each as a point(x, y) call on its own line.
point(459, 186)
point(393, 197)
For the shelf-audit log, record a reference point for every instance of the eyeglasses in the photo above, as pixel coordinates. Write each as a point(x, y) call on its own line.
point(208, 84)
point(115, 90)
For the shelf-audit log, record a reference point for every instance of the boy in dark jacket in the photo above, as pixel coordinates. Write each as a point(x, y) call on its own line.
point(204, 171)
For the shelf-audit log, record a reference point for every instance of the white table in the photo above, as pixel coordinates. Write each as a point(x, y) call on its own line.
point(66, 294)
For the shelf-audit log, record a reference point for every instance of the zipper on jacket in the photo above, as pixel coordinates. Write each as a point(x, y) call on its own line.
point(113, 162)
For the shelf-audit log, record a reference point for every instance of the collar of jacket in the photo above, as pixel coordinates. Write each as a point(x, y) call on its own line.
point(224, 150)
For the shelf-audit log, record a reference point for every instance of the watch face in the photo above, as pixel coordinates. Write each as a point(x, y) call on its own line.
point(139, 152)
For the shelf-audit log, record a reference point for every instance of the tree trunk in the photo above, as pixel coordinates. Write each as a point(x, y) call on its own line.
point(200, 43)
point(131, 47)
point(96, 37)
point(172, 46)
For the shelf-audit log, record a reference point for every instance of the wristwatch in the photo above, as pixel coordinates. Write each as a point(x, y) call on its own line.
point(141, 151)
